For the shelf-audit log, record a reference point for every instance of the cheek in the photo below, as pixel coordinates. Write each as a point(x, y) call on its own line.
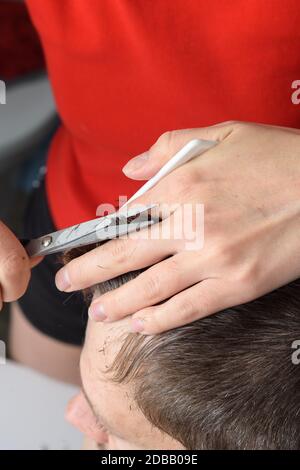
point(80, 415)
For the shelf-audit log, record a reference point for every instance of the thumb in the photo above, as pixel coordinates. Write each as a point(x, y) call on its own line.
point(145, 165)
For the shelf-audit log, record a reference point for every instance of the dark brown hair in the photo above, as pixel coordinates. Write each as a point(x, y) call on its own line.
point(223, 382)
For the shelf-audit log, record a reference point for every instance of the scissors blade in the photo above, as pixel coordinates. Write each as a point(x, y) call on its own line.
point(92, 231)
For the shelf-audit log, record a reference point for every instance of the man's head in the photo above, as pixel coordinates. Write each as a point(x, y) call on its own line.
point(223, 382)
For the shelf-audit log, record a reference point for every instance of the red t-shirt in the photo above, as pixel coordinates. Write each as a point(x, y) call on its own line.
point(125, 71)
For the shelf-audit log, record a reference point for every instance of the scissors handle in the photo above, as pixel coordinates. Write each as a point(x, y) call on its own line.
point(192, 149)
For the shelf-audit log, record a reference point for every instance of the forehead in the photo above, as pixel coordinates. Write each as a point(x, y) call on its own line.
point(114, 402)
point(103, 342)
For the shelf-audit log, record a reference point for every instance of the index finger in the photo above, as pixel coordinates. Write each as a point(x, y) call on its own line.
point(110, 260)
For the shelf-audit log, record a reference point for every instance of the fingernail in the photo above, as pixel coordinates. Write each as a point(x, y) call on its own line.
point(96, 312)
point(137, 325)
point(62, 280)
point(135, 163)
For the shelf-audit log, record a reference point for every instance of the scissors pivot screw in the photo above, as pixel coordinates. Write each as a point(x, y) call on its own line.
point(46, 241)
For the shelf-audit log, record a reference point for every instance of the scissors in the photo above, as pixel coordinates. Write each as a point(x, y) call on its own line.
point(93, 231)
point(120, 223)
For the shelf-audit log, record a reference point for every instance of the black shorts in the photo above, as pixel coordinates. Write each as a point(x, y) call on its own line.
point(57, 314)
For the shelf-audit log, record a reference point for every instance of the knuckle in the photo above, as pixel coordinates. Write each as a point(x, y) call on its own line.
point(224, 253)
point(205, 304)
point(152, 288)
point(174, 272)
point(187, 309)
point(237, 125)
point(230, 122)
point(165, 141)
point(174, 265)
point(155, 321)
point(115, 304)
point(15, 264)
point(119, 250)
point(167, 138)
point(249, 274)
